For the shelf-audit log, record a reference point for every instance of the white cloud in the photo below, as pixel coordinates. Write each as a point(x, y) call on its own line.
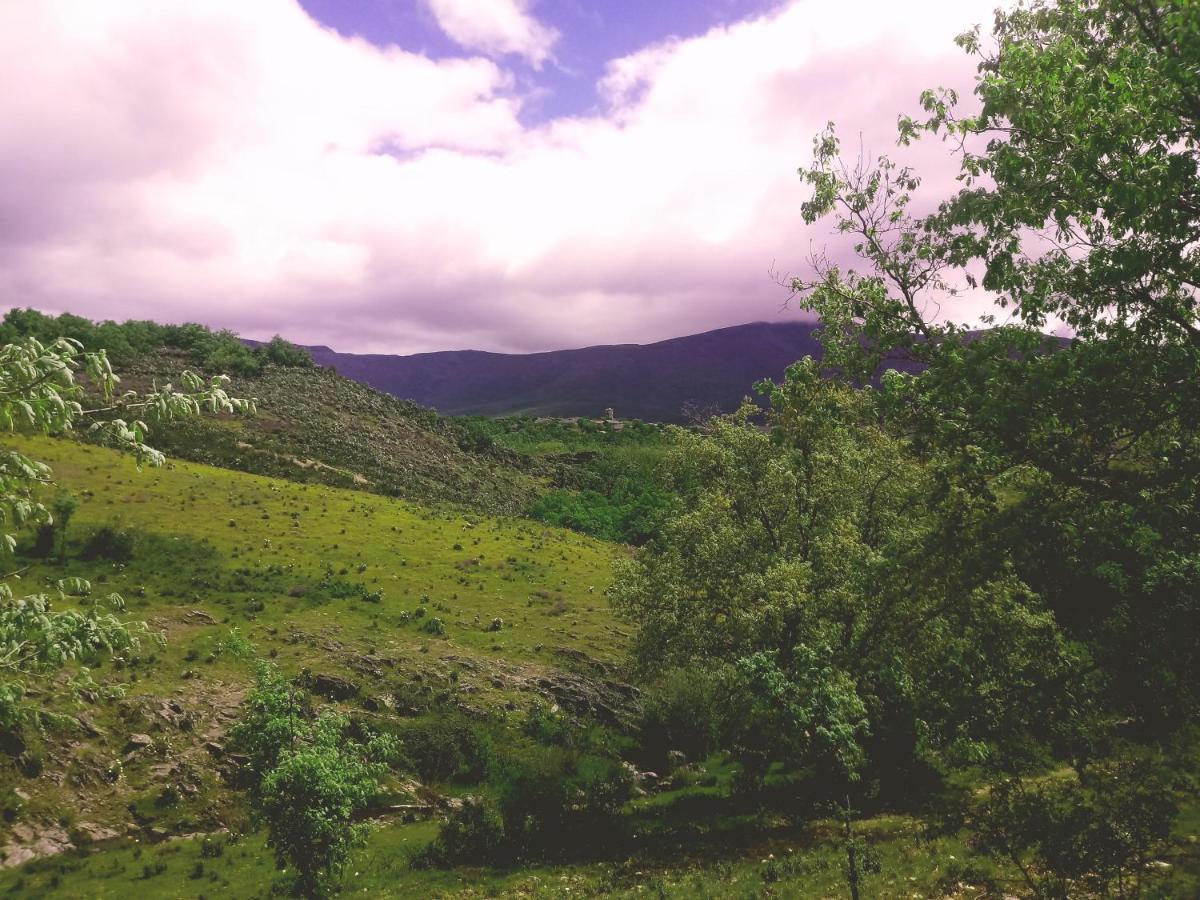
point(236, 163)
point(495, 27)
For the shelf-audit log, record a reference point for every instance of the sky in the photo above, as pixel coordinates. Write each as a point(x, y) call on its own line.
point(398, 176)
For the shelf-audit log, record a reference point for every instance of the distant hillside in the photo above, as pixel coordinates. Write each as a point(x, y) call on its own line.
point(315, 425)
point(655, 382)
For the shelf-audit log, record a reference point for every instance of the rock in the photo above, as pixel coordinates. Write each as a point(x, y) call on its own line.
point(496, 624)
point(197, 615)
point(15, 856)
point(335, 687)
point(95, 833)
point(214, 748)
point(88, 728)
point(50, 842)
point(138, 742)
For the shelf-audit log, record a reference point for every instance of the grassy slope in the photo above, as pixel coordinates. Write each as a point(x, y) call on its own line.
point(219, 549)
point(193, 565)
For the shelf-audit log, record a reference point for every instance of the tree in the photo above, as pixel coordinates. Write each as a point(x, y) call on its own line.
point(311, 798)
point(63, 509)
point(1080, 205)
point(39, 392)
point(822, 564)
point(309, 779)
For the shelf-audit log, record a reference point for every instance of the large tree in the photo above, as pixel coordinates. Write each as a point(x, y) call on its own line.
point(1079, 208)
point(820, 563)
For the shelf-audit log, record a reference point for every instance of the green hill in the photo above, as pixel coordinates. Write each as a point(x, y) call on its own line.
point(394, 610)
point(315, 426)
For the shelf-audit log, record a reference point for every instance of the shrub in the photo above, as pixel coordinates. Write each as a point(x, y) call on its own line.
point(445, 748)
point(548, 804)
point(109, 542)
point(44, 540)
point(685, 712)
point(473, 832)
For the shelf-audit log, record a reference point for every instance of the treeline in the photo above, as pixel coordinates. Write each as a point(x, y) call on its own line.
point(214, 351)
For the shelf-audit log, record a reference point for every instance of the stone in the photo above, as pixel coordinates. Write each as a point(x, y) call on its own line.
point(138, 742)
point(335, 687)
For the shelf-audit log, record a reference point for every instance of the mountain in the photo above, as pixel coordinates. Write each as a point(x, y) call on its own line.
point(654, 382)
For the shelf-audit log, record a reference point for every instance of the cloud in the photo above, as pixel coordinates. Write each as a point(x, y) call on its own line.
point(495, 27)
point(237, 164)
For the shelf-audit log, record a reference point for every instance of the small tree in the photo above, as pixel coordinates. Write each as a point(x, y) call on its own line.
point(310, 801)
point(63, 508)
point(309, 780)
point(39, 393)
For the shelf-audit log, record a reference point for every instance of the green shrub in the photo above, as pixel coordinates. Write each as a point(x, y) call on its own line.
point(445, 748)
point(473, 833)
point(687, 711)
point(548, 803)
point(109, 542)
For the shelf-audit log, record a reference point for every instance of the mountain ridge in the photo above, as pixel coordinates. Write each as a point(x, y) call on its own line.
point(658, 381)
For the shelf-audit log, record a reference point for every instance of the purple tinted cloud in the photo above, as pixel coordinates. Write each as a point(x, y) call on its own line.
point(242, 165)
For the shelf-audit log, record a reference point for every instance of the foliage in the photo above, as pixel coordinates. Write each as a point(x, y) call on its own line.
point(1065, 472)
point(1079, 207)
point(39, 393)
point(214, 351)
point(1080, 835)
point(606, 482)
point(310, 780)
point(63, 509)
point(311, 797)
point(825, 563)
point(444, 747)
point(109, 542)
point(37, 641)
point(273, 722)
point(688, 711)
point(545, 803)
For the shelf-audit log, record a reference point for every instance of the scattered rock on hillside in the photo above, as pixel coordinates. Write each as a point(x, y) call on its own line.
point(138, 742)
point(335, 687)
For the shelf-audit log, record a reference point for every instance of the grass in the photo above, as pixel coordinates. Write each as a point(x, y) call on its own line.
point(337, 582)
point(344, 583)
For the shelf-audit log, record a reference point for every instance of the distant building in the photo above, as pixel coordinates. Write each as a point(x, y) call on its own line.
point(609, 415)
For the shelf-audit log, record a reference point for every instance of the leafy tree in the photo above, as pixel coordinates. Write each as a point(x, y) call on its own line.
point(39, 392)
point(309, 779)
point(311, 797)
point(63, 509)
point(284, 353)
point(273, 722)
point(1079, 205)
point(823, 562)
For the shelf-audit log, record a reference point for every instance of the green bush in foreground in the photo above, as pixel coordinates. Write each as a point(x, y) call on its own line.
point(309, 780)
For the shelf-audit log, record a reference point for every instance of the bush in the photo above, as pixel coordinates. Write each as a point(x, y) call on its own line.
point(284, 353)
point(687, 712)
point(472, 833)
point(109, 542)
point(44, 540)
point(548, 804)
point(1081, 835)
point(445, 748)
